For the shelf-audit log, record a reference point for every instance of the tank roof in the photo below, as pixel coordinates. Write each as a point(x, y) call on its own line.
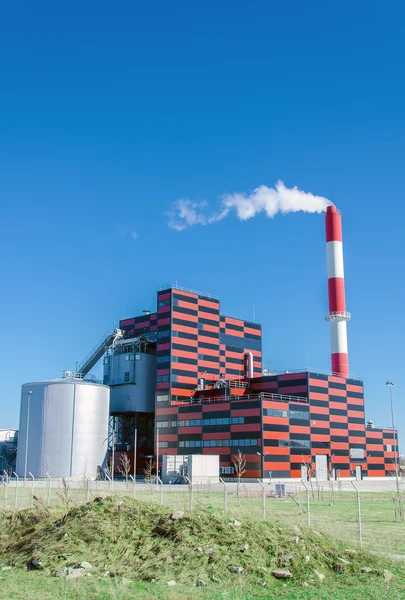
point(66, 380)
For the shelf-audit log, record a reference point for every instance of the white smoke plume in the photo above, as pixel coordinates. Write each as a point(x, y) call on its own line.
point(280, 199)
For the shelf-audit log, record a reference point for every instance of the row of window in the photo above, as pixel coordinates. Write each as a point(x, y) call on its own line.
point(217, 443)
point(164, 302)
point(201, 422)
point(294, 443)
point(293, 414)
point(355, 453)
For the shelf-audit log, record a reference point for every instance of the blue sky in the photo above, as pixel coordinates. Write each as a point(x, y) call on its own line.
point(110, 113)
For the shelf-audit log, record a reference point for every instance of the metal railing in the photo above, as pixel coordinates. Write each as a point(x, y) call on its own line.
point(172, 286)
point(229, 383)
point(234, 398)
point(308, 370)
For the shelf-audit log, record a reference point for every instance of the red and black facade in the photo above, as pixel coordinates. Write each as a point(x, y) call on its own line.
point(207, 402)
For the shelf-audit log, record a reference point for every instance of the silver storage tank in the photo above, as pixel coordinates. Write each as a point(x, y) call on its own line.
point(63, 428)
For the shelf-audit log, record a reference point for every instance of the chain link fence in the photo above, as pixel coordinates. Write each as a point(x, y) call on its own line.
point(373, 520)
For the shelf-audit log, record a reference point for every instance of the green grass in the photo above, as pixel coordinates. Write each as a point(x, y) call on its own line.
point(133, 559)
point(20, 585)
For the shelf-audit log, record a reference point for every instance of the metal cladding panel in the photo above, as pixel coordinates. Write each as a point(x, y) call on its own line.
point(67, 425)
point(139, 394)
point(90, 429)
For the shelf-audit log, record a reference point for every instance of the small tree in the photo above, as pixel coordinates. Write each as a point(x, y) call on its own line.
point(239, 462)
point(148, 470)
point(124, 466)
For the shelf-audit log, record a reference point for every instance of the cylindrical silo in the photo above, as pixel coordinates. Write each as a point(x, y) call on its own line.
point(63, 428)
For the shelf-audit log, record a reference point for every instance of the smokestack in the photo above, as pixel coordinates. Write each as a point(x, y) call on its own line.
point(337, 316)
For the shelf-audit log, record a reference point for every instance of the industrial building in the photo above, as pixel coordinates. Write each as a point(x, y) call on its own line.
point(8, 450)
point(186, 379)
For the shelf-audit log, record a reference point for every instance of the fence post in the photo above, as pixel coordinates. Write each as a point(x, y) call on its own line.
point(5, 488)
point(332, 493)
point(308, 503)
point(66, 478)
point(190, 489)
point(87, 488)
point(16, 490)
point(49, 483)
point(359, 514)
point(133, 479)
point(225, 494)
point(161, 489)
point(263, 499)
point(32, 489)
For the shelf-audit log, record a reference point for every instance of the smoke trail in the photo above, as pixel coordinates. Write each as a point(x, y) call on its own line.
point(280, 199)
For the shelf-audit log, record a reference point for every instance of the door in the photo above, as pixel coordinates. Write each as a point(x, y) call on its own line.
point(304, 473)
point(321, 465)
point(358, 473)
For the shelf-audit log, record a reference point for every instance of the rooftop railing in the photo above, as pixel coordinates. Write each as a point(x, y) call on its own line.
point(172, 286)
point(258, 396)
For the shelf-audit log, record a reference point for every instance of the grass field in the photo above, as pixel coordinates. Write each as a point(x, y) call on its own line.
point(133, 558)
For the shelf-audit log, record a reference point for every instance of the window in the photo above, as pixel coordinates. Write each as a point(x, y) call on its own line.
point(137, 357)
point(164, 302)
point(163, 333)
point(273, 412)
point(163, 444)
point(357, 453)
point(162, 378)
point(294, 444)
point(163, 359)
point(299, 414)
point(388, 447)
point(244, 442)
point(226, 470)
point(160, 424)
point(162, 398)
point(126, 376)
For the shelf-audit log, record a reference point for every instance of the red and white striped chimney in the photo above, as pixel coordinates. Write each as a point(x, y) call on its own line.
point(337, 316)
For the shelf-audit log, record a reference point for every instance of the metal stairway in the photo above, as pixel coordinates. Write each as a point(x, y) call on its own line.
point(99, 349)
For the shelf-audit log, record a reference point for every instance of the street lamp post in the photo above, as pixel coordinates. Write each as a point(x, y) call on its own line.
point(29, 394)
point(396, 449)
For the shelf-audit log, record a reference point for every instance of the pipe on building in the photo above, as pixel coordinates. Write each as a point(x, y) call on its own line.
point(249, 365)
